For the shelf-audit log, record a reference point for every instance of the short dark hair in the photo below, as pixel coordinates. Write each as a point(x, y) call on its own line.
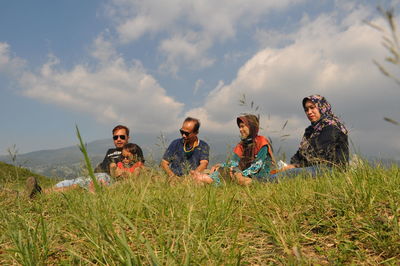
point(121, 127)
point(196, 123)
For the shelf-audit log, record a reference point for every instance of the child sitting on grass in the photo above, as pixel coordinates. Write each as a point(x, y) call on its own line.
point(132, 163)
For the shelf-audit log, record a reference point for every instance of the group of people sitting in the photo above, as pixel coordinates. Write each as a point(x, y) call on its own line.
point(324, 145)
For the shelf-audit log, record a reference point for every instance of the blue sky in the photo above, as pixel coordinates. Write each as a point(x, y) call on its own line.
point(148, 64)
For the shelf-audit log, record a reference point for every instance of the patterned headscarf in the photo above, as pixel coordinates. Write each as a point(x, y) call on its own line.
point(327, 119)
point(327, 116)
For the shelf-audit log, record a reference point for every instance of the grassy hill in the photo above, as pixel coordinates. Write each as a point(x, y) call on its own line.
point(14, 177)
point(337, 218)
point(63, 162)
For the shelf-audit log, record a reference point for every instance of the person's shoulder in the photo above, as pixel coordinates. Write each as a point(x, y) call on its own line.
point(308, 130)
point(175, 143)
point(202, 143)
point(333, 134)
point(262, 139)
point(112, 150)
point(331, 129)
point(262, 143)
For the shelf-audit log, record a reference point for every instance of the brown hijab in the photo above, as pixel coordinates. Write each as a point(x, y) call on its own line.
point(248, 144)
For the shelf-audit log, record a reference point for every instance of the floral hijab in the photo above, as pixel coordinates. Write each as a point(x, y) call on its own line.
point(327, 119)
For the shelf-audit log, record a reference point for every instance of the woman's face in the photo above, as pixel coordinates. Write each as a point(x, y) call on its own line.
point(127, 157)
point(244, 130)
point(312, 111)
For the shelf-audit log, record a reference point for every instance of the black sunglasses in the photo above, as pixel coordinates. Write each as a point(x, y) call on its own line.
point(115, 137)
point(183, 132)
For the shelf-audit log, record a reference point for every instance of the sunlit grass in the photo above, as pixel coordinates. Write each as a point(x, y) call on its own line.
point(350, 217)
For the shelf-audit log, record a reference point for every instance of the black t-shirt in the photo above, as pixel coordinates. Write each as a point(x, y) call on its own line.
point(114, 156)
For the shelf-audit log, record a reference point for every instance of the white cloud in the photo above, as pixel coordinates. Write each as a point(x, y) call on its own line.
point(272, 38)
point(137, 18)
point(112, 91)
point(185, 50)
point(329, 56)
point(103, 50)
point(9, 64)
point(217, 18)
point(209, 21)
point(199, 83)
point(135, 28)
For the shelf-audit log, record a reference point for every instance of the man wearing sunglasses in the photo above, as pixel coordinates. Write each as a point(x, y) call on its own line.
point(187, 154)
point(120, 137)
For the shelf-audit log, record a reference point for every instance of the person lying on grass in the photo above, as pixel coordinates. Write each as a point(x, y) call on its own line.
point(130, 166)
point(324, 144)
point(252, 157)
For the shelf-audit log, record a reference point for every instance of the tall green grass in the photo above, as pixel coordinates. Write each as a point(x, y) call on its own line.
point(337, 218)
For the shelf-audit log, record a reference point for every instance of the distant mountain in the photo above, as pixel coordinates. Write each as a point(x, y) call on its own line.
point(63, 162)
point(68, 162)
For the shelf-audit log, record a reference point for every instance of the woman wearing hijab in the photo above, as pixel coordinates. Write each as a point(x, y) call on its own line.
point(252, 157)
point(325, 141)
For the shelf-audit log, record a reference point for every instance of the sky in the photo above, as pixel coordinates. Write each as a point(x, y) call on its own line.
point(149, 64)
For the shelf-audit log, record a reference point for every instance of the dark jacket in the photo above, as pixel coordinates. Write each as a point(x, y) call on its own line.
point(330, 147)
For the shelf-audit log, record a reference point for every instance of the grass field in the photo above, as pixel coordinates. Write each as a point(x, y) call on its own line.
point(338, 218)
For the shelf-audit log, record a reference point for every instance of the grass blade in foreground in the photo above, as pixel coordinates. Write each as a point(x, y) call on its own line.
point(87, 161)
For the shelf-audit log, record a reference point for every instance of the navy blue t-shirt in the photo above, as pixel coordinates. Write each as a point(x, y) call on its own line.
point(180, 161)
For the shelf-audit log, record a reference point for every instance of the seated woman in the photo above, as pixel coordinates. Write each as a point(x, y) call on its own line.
point(324, 143)
point(252, 157)
point(132, 163)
